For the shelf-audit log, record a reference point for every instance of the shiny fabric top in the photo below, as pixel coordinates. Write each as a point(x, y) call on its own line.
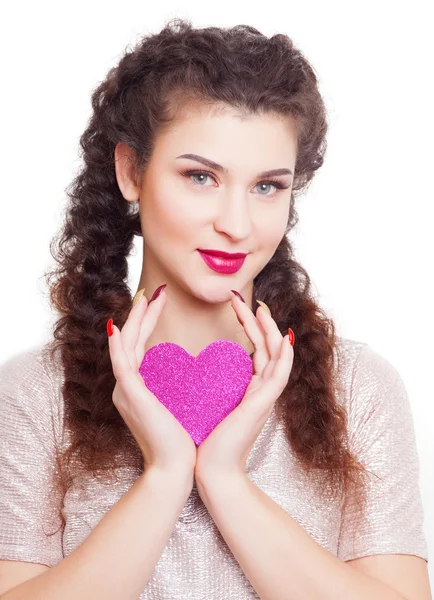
point(197, 563)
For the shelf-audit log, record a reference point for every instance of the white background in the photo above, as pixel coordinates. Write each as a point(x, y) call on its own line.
point(365, 231)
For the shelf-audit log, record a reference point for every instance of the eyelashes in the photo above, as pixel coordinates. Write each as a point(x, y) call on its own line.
point(277, 184)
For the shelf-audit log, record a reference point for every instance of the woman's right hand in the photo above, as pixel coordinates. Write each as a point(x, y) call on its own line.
point(165, 444)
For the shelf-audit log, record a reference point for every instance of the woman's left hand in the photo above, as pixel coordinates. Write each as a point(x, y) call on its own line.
point(226, 449)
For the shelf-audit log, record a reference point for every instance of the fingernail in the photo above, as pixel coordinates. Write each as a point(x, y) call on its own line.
point(110, 326)
point(263, 305)
point(291, 336)
point(239, 295)
point(157, 292)
point(138, 296)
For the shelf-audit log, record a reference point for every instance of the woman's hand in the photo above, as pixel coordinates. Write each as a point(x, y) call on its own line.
point(164, 442)
point(226, 449)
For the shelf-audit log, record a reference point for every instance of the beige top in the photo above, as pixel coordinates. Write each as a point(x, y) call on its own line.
point(196, 562)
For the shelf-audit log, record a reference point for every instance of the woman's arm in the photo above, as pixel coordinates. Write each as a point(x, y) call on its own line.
point(282, 560)
point(118, 557)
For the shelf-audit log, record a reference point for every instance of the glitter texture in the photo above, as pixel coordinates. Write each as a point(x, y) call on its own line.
point(196, 562)
point(200, 391)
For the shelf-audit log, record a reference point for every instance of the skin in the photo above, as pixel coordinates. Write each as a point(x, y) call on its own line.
point(233, 212)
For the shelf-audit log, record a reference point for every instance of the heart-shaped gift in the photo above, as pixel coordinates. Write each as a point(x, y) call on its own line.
point(200, 391)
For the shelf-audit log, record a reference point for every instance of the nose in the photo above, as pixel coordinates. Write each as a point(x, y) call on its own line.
point(233, 217)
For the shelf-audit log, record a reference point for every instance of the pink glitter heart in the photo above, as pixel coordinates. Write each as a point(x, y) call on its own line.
point(200, 391)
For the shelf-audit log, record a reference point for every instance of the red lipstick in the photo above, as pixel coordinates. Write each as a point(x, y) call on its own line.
point(223, 254)
point(223, 262)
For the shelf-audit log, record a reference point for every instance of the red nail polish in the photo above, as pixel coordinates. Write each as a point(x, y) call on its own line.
point(291, 336)
point(157, 292)
point(239, 295)
point(110, 329)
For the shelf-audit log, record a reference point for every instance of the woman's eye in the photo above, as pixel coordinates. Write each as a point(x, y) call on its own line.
point(198, 175)
point(268, 184)
point(203, 175)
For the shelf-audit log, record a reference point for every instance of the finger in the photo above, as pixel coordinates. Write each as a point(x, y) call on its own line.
point(273, 338)
point(149, 322)
point(264, 399)
point(131, 329)
point(119, 358)
point(130, 380)
point(254, 332)
point(283, 366)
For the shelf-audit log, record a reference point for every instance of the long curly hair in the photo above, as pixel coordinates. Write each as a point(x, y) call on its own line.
point(237, 67)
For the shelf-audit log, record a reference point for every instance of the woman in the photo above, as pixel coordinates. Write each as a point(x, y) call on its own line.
point(315, 472)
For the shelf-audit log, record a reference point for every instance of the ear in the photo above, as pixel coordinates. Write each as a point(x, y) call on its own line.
point(125, 172)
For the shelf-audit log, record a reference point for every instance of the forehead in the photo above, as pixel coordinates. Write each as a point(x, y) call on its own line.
point(228, 136)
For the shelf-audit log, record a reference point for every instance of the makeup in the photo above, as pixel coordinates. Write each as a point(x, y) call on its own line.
point(222, 264)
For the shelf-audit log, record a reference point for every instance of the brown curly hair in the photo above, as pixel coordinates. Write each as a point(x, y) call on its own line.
point(237, 67)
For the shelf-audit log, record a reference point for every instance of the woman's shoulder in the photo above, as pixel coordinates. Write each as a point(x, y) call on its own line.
point(360, 365)
point(30, 385)
point(373, 387)
point(347, 351)
point(30, 365)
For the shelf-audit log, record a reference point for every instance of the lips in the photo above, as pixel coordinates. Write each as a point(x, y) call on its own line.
point(221, 264)
point(223, 254)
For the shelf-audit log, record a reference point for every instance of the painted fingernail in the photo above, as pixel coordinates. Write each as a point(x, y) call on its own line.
point(157, 292)
point(239, 295)
point(138, 296)
point(291, 336)
point(263, 305)
point(110, 326)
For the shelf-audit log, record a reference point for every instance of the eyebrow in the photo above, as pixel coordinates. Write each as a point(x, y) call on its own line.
point(217, 167)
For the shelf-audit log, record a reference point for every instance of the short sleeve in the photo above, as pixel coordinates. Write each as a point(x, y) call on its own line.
point(28, 504)
point(382, 436)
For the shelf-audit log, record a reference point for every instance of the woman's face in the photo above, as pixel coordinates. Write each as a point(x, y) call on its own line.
point(232, 209)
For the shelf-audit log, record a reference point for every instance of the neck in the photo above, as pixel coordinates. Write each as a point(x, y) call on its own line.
point(193, 322)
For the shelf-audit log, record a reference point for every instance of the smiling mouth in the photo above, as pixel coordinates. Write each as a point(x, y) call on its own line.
point(221, 264)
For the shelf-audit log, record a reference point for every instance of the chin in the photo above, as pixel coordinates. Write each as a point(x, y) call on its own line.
point(213, 291)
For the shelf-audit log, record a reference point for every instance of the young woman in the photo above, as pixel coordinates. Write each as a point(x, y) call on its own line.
point(199, 141)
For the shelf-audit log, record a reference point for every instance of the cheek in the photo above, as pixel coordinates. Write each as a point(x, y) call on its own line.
point(270, 229)
point(168, 215)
